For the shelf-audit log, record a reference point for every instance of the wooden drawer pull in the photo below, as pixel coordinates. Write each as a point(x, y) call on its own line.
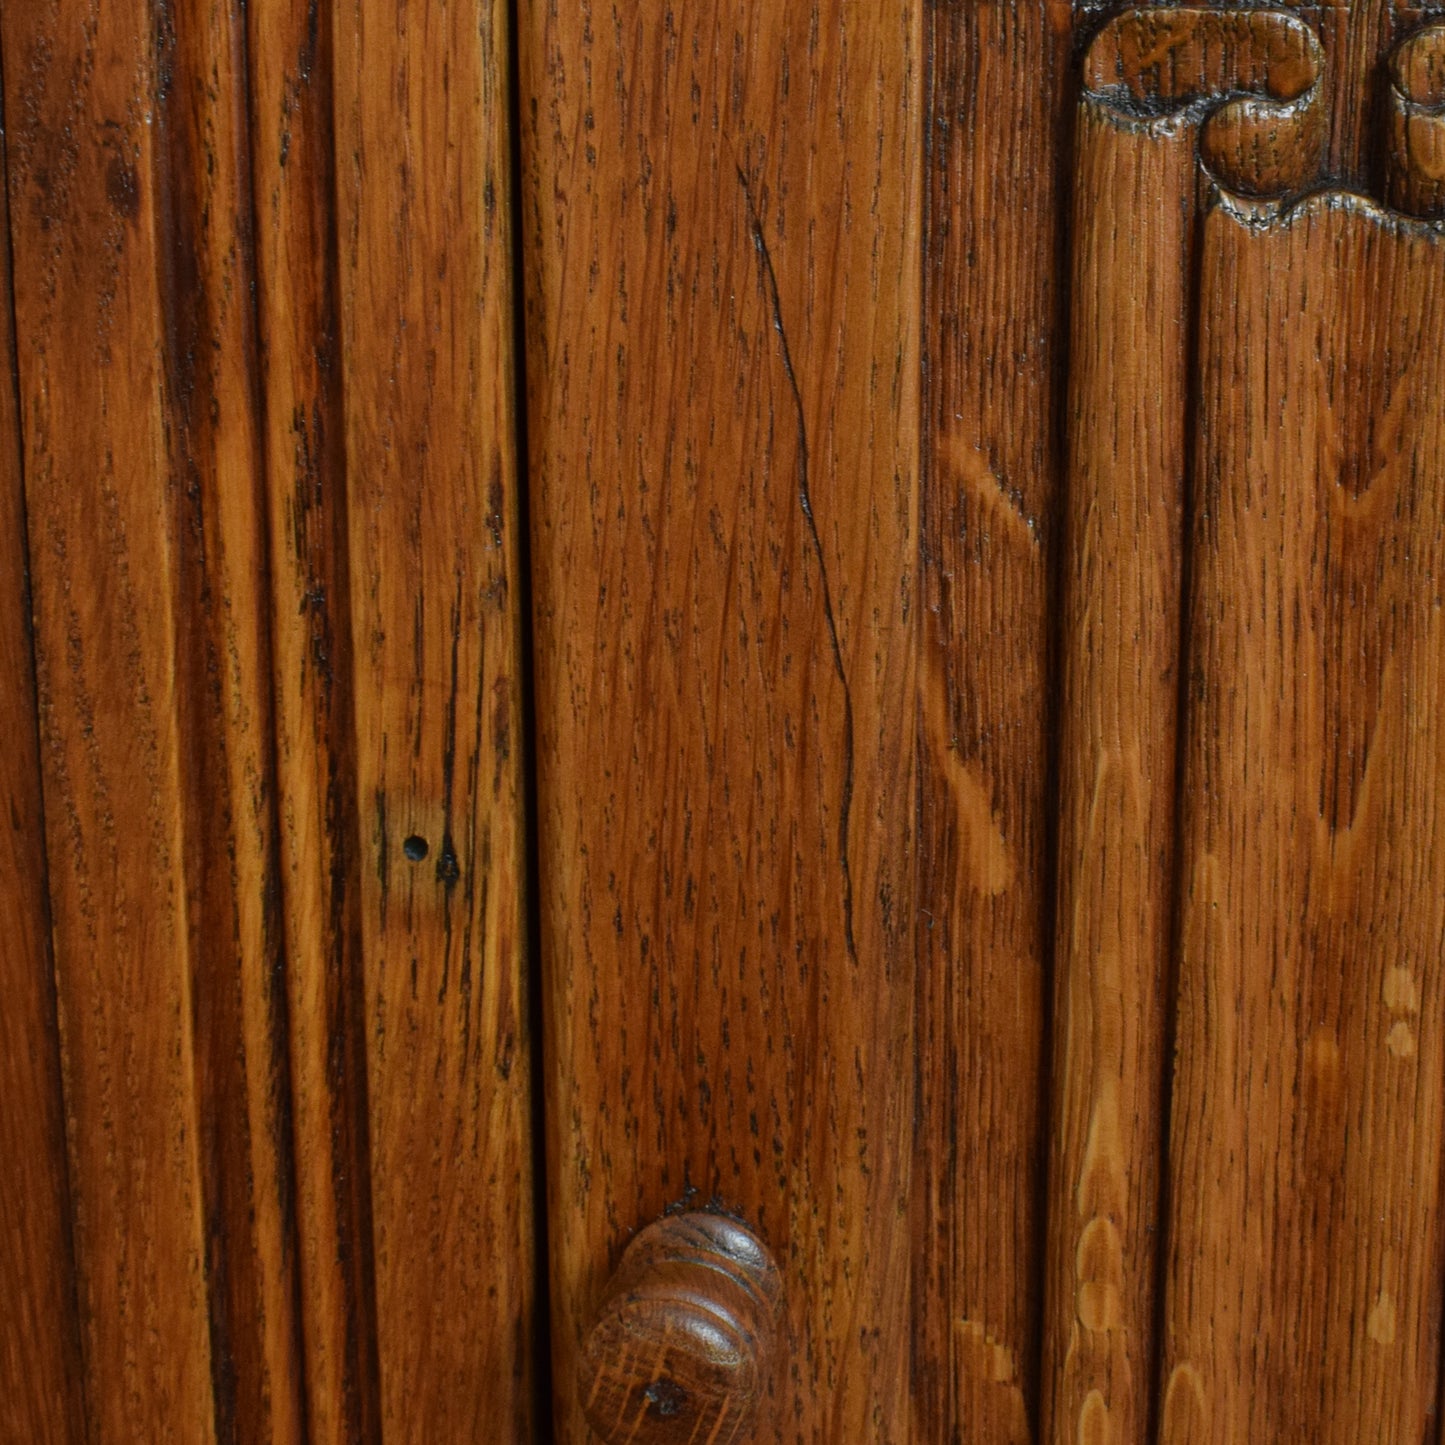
point(683, 1343)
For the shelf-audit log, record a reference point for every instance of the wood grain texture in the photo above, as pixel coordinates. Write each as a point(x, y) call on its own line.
point(1157, 99)
point(136, 366)
point(423, 211)
point(290, 53)
point(1304, 1261)
point(997, 186)
point(82, 164)
point(211, 426)
point(721, 208)
point(41, 1383)
point(1123, 551)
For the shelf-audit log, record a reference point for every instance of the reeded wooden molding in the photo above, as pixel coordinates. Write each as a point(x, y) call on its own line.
point(1162, 95)
point(1415, 109)
point(1306, 1136)
point(683, 1344)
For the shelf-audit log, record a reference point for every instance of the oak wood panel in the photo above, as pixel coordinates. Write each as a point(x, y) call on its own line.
point(1156, 103)
point(423, 211)
point(721, 210)
point(1304, 1263)
point(291, 64)
point(41, 1395)
point(132, 308)
point(997, 187)
point(1355, 35)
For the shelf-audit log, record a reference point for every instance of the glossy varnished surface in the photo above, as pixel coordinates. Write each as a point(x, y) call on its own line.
point(184, 296)
point(1170, 97)
point(291, 61)
point(997, 189)
point(985, 568)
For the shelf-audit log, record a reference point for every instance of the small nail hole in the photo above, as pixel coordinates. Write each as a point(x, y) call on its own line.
point(415, 848)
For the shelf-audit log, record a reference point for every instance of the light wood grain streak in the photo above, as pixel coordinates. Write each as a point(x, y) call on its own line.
point(1161, 103)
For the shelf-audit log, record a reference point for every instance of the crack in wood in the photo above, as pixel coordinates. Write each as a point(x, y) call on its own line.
point(769, 279)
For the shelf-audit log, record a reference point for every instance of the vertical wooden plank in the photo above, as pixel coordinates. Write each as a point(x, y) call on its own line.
point(205, 278)
point(423, 145)
point(1356, 35)
point(721, 208)
point(294, 183)
point(41, 1395)
point(1127, 434)
point(81, 97)
point(133, 298)
point(1305, 1256)
point(997, 197)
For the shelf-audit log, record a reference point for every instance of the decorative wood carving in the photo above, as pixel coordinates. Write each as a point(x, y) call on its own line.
point(1262, 363)
point(1415, 106)
point(962, 437)
point(1246, 82)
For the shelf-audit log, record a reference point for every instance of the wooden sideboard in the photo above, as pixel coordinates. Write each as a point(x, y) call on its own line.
point(721, 722)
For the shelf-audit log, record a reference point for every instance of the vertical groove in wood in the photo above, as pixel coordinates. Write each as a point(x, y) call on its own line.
point(81, 96)
point(294, 186)
point(41, 1374)
point(722, 256)
point(424, 192)
point(996, 189)
point(1304, 1265)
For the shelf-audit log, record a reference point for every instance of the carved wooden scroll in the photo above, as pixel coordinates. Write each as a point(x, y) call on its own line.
point(1269, 368)
point(1416, 110)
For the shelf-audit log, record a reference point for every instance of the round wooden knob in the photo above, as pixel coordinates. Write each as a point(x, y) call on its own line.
point(683, 1342)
